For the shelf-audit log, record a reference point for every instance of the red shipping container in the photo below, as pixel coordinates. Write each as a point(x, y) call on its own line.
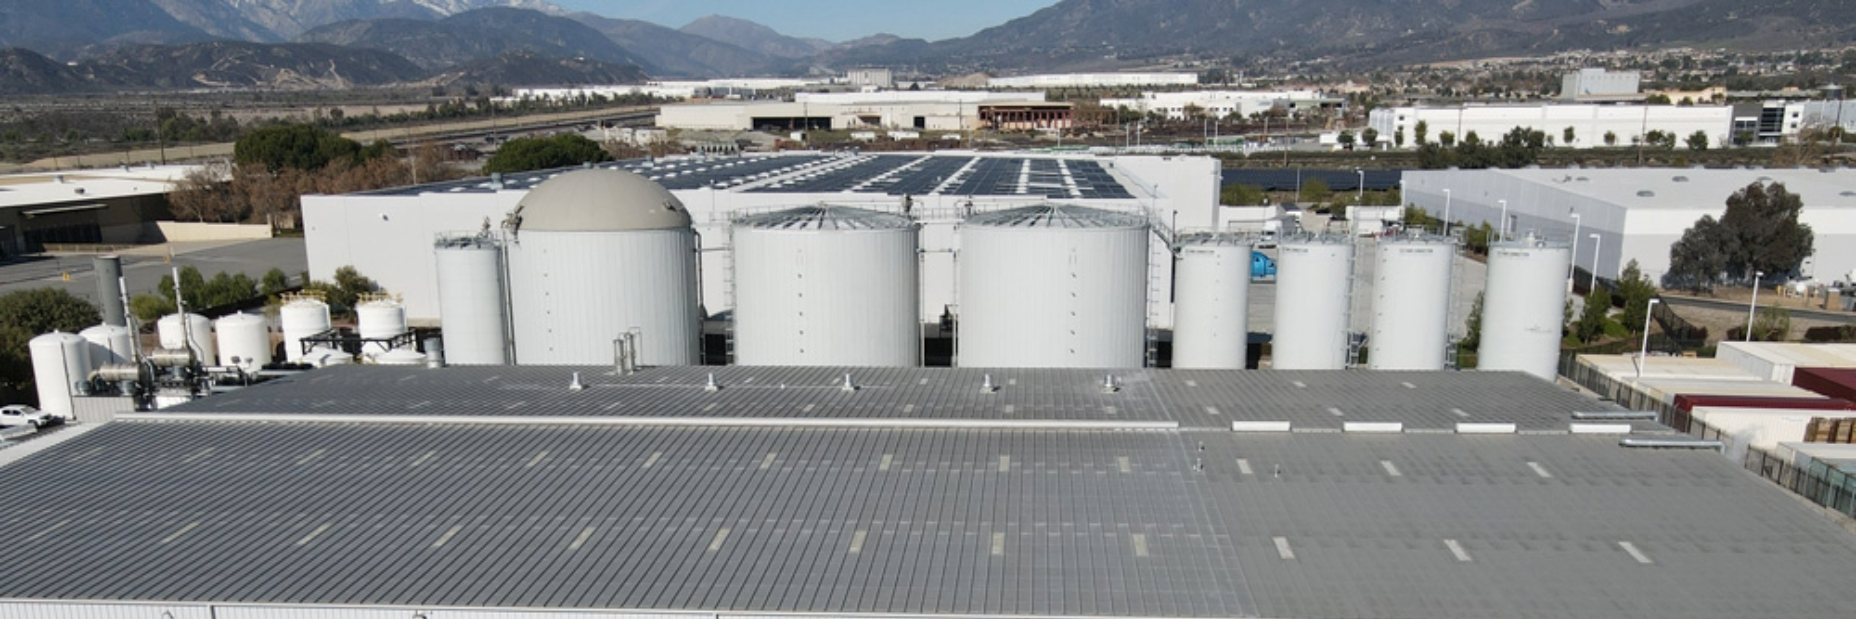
point(1688, 402)
point(1832, 382)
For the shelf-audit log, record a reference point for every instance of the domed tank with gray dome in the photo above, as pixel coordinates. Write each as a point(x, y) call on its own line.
point(827, 285)
point(598, 253)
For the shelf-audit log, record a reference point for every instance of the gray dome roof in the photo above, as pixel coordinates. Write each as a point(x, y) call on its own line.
point(601, 200)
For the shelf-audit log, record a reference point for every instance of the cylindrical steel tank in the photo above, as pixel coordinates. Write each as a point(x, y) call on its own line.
point(197, 330)
point(1523, 307)
point(821, 286)
point(59, 362)
point(108, 271)
point(471, 302)
point(111, 344)
point(596, 254)
point(244, 341)
point(1314, 276)
point(1052, 286)
point(1211, 301)
point(1411, 304)
point(379, 319)
point(302, 317)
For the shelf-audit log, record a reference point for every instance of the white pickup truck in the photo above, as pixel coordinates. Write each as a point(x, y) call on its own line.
point(22, 415)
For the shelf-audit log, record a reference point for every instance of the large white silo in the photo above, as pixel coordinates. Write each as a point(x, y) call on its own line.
point(827, 286)
point(1211, 301)
point(244, 341)
point(594, 255)
point(112, 344)
point(1523, 307)
point(302, 317)
point(379, 318)
point(1052, 286)
point(1314, 278)
point(176, 331)
point(471, 302)
point(59, 362)
point(1411, 304)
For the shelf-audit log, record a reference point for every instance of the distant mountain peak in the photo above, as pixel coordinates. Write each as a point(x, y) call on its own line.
point(754, 36)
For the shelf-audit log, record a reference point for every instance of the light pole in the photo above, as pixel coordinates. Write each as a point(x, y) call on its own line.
point(1446, 212)
point(1643, 354)
point(1501, 231)
point(1362, 196)
point(1598, 242)
point(1753, 307)
point(1570, 268)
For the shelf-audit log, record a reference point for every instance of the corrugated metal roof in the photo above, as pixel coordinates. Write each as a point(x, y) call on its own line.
point(825, 217)
point(1215, 239)
point(1056, 216)
point(1122, 524)
point(1194, 399)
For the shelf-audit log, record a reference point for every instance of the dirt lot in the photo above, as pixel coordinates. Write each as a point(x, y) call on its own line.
point(1719, 321)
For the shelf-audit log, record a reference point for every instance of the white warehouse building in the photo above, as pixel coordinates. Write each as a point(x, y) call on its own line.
point(1637, 213)
point(1084, 80)
point(924, 110)
point(1589, 123)
point(1223, 103)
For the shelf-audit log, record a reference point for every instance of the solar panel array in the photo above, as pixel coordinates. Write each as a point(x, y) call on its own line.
point(723, 173)
point(842, 176)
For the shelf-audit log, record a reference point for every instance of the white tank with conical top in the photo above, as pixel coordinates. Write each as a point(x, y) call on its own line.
point(113, 344)
point(1314, 278)
point(1411, 304)
point(1523, 307)
point(1211, 301)
point(191, 332)
point(827, 286)
point(244, 341)
point(1053, 286)
point(302, 317)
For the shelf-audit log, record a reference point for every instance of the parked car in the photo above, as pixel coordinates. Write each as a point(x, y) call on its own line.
point(22, 415)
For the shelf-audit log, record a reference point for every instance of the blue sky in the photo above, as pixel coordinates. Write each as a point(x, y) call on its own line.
point(832, 20)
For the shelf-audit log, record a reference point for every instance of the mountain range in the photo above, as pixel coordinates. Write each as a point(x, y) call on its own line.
point(80, 44)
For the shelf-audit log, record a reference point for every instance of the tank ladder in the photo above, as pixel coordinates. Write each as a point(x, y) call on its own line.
point(1159, 265)
point(1355, 340)
point(1451, 317)
point(728, 284)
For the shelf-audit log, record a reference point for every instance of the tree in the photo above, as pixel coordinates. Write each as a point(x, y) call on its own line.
point(1370, 137)
point(1772, 324)
point(1315, 190)
point(1398, 139)
point(1346, 140)
point(1698, 141)
point(274, 282)
point(1636, 290)
point(1420, 132)
point(1241, 195)
point(1697, 260)
point(1447, 139)
point(1473, 325)
point(1611, 138)
point(1591, 323)
point(303, 147)
point(1568, 136)
point(26, 314)
point(524, 154)
point(1764, 232)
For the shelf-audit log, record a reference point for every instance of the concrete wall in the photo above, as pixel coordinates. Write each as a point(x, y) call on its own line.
point(185, 231)
point(1590, 123)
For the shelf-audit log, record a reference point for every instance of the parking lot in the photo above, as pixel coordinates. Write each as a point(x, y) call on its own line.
point(144, 266)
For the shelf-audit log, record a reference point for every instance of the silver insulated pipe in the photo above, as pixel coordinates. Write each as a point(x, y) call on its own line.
point(108, 270)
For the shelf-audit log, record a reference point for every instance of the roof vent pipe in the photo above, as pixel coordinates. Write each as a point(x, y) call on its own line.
point(575, 385)
point(1651, 442)
point(712, 386)
point(1109, 385)
point(848, 386)
point(496, 181)
point(988, 386)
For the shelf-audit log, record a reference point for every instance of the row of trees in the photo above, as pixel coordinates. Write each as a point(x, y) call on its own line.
point(200, 293)
point(274, 167)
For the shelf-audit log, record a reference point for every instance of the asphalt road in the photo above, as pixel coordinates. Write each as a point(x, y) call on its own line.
point(144, 266)
point(1678, 301)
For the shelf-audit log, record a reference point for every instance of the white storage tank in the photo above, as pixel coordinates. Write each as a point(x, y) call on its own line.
point(175, 335)
point(323, 357)
point(820, 286)
point(1411, 304)
point(1211, 301)
point(1314, 276)
point(1523, 308)
point(596, 254)
point(379, 318)
point(1052, 286)
point(110, 344)
point(59, 362)
point(400, 357)
point(471, 301)
point(302, 317)
point(244, 341)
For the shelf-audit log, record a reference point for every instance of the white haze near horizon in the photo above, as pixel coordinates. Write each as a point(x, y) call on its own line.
point(831, 20)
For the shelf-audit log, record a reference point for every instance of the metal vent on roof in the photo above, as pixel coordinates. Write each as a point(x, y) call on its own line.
point(1646, 194)
point(1583, 179)
point(1680, 179)
point(1848, 194)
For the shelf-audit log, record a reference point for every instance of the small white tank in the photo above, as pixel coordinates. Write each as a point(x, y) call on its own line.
point(197, 330)
point(111, 344)
point(302, 317)
point(244, 341)
point(400, 357)
point(59, 362)
point(379, 319)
